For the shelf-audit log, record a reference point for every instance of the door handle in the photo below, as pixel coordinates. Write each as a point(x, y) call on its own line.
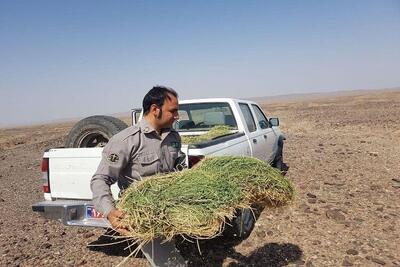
point(265, 136)
point(255, 141)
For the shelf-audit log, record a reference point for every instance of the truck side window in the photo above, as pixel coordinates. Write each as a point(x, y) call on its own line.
point(251, 125)
point(262, 120)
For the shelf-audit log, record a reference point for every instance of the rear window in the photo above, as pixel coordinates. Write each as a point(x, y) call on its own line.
point(203, 116)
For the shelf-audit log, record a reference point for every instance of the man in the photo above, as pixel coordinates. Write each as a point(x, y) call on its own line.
point(149, 147)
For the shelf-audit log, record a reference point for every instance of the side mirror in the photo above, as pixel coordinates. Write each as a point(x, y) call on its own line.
point(274, 122)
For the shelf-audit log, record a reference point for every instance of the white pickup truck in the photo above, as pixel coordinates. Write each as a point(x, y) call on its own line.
point(66, 172)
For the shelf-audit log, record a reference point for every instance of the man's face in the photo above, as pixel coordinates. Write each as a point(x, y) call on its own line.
point(169, 112)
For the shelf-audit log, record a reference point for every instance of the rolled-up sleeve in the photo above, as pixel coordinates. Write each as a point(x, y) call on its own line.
point(115, 157)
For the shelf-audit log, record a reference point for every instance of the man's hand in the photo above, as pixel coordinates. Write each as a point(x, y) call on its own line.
point(115, 218)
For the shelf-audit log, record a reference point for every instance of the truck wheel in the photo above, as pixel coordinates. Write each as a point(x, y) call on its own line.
point(278, 161)
point(94, 131)
point(241, 226)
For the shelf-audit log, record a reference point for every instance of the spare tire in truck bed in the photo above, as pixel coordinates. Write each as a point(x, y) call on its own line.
point(94, 131)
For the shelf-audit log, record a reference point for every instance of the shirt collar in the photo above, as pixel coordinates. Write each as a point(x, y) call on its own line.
point(146, 127)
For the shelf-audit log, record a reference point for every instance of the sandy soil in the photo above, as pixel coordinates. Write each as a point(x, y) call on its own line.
point(343, 155)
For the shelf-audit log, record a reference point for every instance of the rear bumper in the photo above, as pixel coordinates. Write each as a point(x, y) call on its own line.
point(70, 212)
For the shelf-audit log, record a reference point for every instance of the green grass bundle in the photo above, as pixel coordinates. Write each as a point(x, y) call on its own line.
point(196, 202)
point(214, 132)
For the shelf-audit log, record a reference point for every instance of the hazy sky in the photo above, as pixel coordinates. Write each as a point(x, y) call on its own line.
point(63, 59)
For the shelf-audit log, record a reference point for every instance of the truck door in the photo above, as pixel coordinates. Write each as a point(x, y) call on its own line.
point(254, 136)
point(269, 140)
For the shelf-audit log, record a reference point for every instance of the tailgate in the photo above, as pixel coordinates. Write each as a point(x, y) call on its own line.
point(70, 171)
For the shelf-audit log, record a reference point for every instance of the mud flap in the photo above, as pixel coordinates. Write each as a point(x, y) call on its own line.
point(163, 254)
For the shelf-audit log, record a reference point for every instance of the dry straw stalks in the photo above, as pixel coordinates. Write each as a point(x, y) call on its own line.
point(197, 202)
point(216, 131)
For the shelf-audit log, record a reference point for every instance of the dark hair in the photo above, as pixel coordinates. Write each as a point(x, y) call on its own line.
point(157, 96)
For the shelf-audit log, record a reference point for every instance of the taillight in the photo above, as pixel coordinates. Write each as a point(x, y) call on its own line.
point(45, 175)
point(193, 160)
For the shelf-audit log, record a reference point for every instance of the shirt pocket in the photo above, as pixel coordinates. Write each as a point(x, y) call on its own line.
point(148, 164)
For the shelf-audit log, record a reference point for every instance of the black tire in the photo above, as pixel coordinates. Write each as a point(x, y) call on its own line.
point(94, 131)
point(241, 226)
point(278, 161)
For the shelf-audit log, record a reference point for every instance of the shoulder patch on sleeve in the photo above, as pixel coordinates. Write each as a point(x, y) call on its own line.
point(113, 158)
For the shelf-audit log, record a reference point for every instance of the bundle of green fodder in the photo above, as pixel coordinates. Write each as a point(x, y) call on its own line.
point(198, 201)
point(216, 131)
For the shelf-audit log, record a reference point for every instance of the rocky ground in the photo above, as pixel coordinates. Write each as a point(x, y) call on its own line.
point(343, 155)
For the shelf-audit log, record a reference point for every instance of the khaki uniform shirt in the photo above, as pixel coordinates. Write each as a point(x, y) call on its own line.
point(130, 155)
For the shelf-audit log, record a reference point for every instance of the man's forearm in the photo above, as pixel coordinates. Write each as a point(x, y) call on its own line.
point(102, 197)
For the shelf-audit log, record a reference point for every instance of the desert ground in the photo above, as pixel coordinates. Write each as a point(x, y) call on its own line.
point(342, 154)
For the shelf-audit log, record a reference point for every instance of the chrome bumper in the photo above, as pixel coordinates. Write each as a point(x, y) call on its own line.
point(69, 212)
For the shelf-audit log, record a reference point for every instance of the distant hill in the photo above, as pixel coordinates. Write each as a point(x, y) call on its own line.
point(125, 115)
point(308, 96)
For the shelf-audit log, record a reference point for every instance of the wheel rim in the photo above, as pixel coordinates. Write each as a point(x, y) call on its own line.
point(96, 139)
